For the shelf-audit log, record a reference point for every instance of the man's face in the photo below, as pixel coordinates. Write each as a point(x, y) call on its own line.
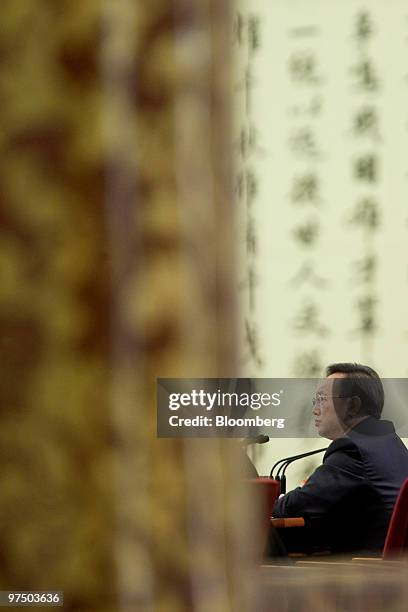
point(329, 411)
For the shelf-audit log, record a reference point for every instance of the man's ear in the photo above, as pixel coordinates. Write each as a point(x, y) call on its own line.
point(355, 406)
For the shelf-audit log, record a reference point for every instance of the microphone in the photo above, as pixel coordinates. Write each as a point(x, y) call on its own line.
point(261, 439)
point(284, 463)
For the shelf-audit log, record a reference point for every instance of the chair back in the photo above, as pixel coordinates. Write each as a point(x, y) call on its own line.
point(396, 542)
point(265, 490)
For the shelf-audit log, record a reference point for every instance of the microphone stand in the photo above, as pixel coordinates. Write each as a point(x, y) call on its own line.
point(284, 463)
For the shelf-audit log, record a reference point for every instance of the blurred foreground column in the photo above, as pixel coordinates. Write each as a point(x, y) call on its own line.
point(116, 259)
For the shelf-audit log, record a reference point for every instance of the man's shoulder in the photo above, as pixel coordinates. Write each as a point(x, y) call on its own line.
point(344, 453)
point(341, 445)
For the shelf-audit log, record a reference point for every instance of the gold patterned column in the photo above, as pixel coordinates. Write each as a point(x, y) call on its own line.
point(116, 259)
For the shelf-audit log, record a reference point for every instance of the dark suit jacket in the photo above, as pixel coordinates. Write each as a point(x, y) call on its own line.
point(353, 493)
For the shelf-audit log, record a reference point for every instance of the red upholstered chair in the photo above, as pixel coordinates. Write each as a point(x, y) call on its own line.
point(266, 491)
point(396, 541)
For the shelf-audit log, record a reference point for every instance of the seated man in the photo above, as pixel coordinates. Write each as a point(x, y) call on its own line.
point(352, 494)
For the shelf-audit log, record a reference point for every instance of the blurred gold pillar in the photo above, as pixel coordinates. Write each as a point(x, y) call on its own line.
point(116, 254)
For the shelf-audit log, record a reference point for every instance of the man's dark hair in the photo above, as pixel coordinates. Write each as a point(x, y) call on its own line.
point(363, 382)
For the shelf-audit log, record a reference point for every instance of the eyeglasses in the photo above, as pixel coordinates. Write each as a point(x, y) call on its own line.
point(320, 399)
